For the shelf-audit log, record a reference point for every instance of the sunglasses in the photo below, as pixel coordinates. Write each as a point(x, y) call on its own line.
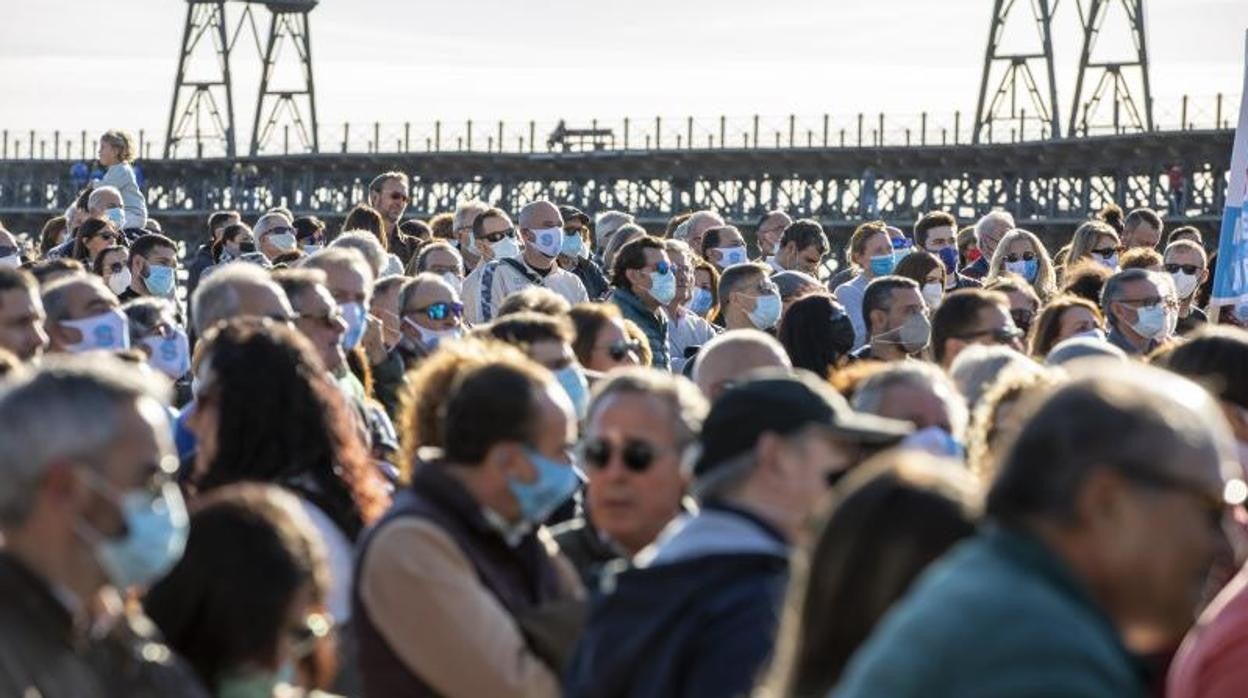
point(1189, 269)
point(440, 311)
point(1026, 257)
point(330, 319)
point(618, 351)
point(1022, 318)
point(663, 268)
point(115, 267)
point(1107, 252)
point(636, 454)
point(1000, 335)
point(497, 237)
point(398, 196)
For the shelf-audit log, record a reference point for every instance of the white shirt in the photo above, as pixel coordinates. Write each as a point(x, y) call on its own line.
point(684, 330)
point(507, 281)
point(340, 554)
point(850, 296)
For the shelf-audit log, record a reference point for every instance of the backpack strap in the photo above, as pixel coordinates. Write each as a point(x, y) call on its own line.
point(487, 290)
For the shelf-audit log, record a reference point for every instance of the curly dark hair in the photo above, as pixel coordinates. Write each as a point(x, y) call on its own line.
point(281, 420)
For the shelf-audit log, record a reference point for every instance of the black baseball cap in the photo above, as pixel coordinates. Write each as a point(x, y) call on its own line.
point(783, 402)
point(570, 212)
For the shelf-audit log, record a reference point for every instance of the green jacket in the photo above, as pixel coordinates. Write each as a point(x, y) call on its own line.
point(652, 322)
point(1001, 615)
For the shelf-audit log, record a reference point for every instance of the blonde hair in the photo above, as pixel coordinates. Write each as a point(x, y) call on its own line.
point(1085, 239)
point(122, 142)
point(1045, 284)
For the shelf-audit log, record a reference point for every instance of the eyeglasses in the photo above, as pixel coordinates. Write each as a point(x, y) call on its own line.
point(398, 196)
point(115, 267)
point(619, 350)
point(331, 319)
point(662, 268)
point(497, 237)
point(1026, 257)
point(439, 311)
point(1000, 335)
point(1189, 269)
point(1169, 301)
point(1107, 252)
point(636, 454)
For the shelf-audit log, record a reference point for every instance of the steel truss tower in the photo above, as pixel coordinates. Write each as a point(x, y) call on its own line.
point(1123, 84)
point(1003, 106)
point(288, 23)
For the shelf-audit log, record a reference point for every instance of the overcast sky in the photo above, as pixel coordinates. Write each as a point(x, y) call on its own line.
point(74, 64)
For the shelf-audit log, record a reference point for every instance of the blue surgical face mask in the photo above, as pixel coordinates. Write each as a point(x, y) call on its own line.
point(357, 322)
point(766, 312)
point(160, 280)
point(573, 246)
point(662, 287)
point(107, 331)
point(156, 526)
point(1150, 321)
point(1026, 268)
point(701, 301)
point(170, 355)
point(936, 441)
point(310, 250)
point(574, 384)
point(883, 265)
point(555, 482)
point(116, 216)
point(949, 257)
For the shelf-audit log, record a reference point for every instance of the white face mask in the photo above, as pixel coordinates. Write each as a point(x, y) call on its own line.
point(732, 255)
point(1185, 284)
point(505, 248)
point(170, 355)
point(548, 241)
point(119, 282)
point(107, 331)
point(452, 279)
point(933, 294)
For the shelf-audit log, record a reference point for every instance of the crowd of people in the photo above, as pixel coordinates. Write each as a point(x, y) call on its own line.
point(536, 452)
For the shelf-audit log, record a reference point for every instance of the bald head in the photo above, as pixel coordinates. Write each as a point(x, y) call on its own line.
point(733, 354)
point(540, 214)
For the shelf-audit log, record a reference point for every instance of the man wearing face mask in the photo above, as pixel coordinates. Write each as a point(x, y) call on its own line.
point(643, 283)
point(83, 315)
point(153, 268)
point(317, 315)
point(460, 571)
point(712, 585)
point(275, 235)
point(896, 317)
point(155, 331)
point(920, 393)
point(685, 328)
point(441, 259)
point(750, 299)
point(575, 254)
point(86, 514)
point(1134, 304)
point(103, 202)
point(937, 232)
point(547, 340)
point(541, 228)
point(429, 313)
point(988, 233)
point(802, 247)
point(1187, 263)
point(768, 232)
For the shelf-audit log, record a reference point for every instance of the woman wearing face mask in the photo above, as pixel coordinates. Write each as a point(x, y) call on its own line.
point(116, 153)
point(94, 237)
point(926, 270)
point(1097, 242)
point(1021, 252)
point(871, 254)
point(111, 265)
point(724, 246)
point(236, 240)
point(704, 300)
point(245, 604)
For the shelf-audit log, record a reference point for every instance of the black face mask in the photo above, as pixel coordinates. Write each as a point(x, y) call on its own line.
point(246, 247)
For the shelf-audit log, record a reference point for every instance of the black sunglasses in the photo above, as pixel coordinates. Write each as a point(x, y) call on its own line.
point(1026, 256)
point(1107, 252)
point(440, 311)
point(1000, 335)
point(1022, 317)
point(1189, 269)
point(620, 350)
point(636, 454)
point(497, 237)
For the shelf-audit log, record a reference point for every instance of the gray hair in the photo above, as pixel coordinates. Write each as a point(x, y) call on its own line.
point(341, 254)
point(678, 246)
point(617, 241)
point(269, 220)
point(146, 312)
point(1160, 422)
point(1114, 289)
point(68, 410)
point(870, 395)
point(1076, 348)
point(411, 285)
point(466, 212)
point(607, 223)
point(686, 405)
point(367, 245)
point(99, 192)
point(55, 296)
point(993, 221)
point(976, 368)
point(217, 297)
